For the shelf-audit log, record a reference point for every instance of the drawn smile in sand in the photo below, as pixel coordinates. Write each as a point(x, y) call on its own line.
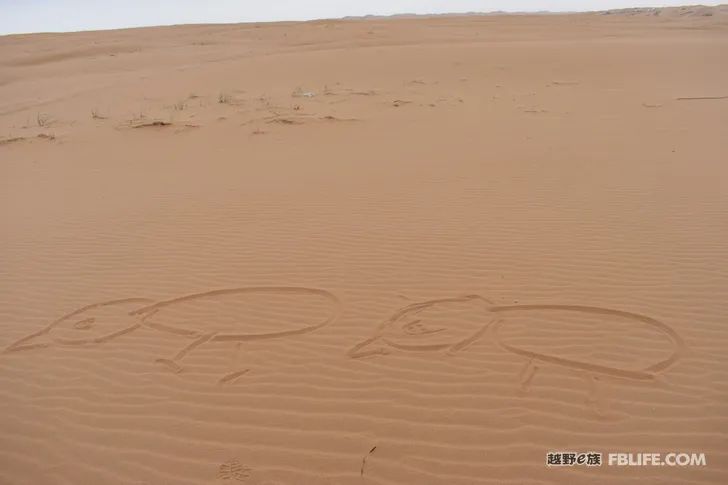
point(230, 315)
point(591, 340)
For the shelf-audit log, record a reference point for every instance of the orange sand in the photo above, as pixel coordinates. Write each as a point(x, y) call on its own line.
point(450, 244)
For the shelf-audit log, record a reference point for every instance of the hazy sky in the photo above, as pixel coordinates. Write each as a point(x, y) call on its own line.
point(18, 16)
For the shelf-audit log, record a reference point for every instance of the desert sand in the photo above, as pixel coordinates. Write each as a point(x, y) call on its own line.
point(366, 251)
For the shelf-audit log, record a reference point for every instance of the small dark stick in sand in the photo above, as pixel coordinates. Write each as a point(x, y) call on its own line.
point(364, 460)
point(697, 98)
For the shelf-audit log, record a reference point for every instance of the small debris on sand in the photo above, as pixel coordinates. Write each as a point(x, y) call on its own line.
point(364, 460)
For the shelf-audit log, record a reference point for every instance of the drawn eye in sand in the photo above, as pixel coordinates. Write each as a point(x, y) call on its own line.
point(596, 342)
point(85, 324)
point(92, 324)
point(232, 315)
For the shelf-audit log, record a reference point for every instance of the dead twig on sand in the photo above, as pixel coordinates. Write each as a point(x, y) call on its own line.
point(364, 460)
point(334, 118)
point(96, 115)
point(696, 98)
point(42, 136)
point(7, 141)
point(151, 124)
point(285, 121)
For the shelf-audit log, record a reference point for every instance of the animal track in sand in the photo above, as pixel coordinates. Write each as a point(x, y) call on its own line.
point(228, 315)
point(452, 324)
point(233, 470)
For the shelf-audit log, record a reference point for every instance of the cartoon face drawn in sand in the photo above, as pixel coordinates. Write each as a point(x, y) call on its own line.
point(434, 325)
point(428, 326)
point(92, 324)
point(197, 317)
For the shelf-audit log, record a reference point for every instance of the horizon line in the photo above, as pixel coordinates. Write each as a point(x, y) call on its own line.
point(395, 16)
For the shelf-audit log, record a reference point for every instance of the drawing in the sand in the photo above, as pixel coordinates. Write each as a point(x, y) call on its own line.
point(452, 324)
point(228, 315)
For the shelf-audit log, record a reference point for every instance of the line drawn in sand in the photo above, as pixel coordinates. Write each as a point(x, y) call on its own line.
point(408, 330)
point(105, 321)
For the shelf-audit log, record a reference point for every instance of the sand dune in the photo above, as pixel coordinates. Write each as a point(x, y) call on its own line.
point(372, 251)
